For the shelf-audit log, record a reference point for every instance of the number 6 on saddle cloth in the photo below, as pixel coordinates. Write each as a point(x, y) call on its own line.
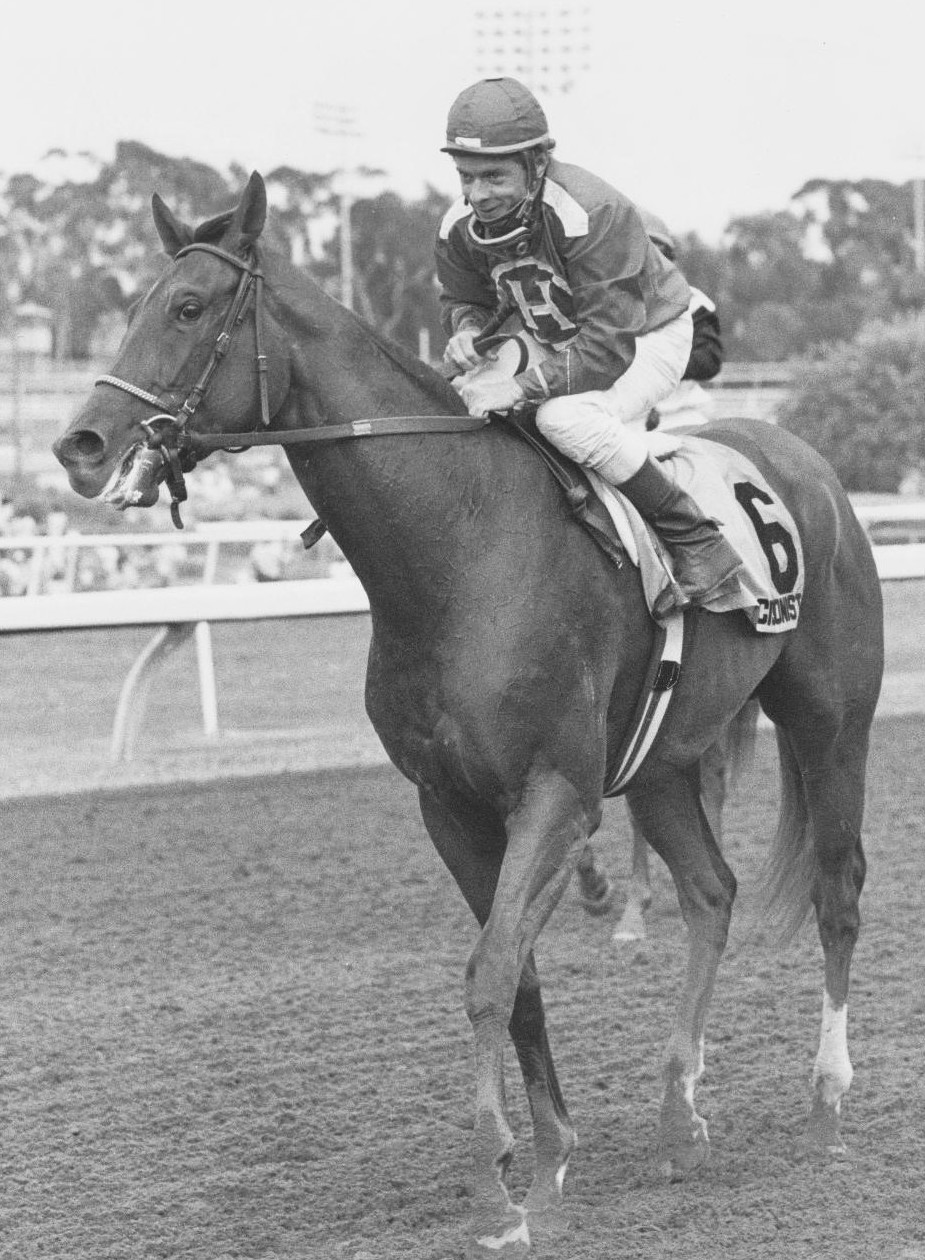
point(724, 482)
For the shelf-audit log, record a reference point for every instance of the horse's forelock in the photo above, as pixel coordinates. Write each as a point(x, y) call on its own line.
point(212, 231)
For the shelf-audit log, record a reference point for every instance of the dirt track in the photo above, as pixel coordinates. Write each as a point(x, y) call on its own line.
point(233, 1028)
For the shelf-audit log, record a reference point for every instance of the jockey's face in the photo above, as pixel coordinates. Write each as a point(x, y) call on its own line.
point(494, 185)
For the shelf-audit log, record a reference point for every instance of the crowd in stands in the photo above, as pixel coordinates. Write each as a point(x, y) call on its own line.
point(257, 491)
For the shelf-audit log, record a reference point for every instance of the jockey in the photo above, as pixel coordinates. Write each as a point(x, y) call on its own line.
point(690, 403)
point(570, 255)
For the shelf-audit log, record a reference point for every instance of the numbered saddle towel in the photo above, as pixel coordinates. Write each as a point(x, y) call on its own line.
point(729, 488)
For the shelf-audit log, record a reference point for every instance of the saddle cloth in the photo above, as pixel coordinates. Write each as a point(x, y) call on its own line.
point(729, 488)
point(723, 483)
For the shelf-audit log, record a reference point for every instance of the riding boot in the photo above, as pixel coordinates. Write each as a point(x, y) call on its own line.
point(704, 562)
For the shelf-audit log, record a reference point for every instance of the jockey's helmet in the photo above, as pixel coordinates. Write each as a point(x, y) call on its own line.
point(658, 234)
point(496, 116)
point(500, 117)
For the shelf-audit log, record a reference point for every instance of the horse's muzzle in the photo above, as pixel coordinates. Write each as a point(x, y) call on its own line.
point(136, 481)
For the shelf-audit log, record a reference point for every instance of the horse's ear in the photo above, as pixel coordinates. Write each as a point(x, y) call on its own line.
point(251, 214)
point(174, 234)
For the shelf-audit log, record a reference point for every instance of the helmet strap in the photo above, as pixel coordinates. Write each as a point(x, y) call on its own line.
point(517, 239)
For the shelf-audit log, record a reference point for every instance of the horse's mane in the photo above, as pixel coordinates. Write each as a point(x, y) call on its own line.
point(419, 371)
point(212, 230)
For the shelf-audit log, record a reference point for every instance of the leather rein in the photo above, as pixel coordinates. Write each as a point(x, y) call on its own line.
point(168, 434)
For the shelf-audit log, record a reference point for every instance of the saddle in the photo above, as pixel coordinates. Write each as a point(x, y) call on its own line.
point(728, 486)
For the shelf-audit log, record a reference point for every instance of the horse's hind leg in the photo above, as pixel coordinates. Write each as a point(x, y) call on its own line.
point(472, 845)
point(713, 787)
point(833, 782)
point(671, 811)
point(631, 925)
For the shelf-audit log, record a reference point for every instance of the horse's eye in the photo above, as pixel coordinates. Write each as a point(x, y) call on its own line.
point(190, 311)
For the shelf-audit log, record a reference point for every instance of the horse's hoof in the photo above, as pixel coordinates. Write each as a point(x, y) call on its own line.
point(682, 1163)
point(544, 1198)
point(507, 1238)
point(632, 926)
point(822, 1136)
point(822, 1143)
point(684, 1147)
point(548, 1225)
point(599, 901)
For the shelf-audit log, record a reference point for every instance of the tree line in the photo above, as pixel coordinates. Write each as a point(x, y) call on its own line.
point(798, 283)
point(786, 282)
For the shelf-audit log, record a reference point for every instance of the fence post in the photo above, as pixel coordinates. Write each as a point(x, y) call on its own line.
point(207, 692)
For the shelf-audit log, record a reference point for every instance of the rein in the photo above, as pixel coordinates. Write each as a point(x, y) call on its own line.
point(168, 434)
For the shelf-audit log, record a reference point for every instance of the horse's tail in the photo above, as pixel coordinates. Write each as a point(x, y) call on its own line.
point(741, 737)
point(790, 866)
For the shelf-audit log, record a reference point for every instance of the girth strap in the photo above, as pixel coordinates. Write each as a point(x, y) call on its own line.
point(663, 672)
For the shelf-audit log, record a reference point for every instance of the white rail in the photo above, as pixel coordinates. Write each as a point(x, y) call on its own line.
point(184, 612)
point(44, 549)
point(896, 525)
point(180, 613)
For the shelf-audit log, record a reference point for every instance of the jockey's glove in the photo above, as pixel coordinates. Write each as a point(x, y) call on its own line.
point(460, 354)
point(482, 397)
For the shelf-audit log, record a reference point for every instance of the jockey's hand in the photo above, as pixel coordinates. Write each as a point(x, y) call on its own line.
point(460, 354)
point(481, 397)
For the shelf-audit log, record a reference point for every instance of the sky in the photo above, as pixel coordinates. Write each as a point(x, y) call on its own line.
point(700, 112)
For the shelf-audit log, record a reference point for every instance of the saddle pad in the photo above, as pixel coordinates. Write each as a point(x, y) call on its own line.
point(729, 488)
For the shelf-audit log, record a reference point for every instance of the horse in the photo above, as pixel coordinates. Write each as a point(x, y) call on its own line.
point(720, 766)
point(507, 654)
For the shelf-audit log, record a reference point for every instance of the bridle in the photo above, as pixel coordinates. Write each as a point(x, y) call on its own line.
point(168, 434)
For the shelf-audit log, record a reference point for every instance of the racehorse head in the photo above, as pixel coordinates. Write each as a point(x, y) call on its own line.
point(190, 347)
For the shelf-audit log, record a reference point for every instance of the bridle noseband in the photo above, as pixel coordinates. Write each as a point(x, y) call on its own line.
point(166, 432)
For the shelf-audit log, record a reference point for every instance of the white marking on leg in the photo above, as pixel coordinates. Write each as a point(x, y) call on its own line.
point(832, 1071)
point(700, 1061)
point(560, 1176)
point(688, 1081)
point(518, 1233)
point(690, 1078)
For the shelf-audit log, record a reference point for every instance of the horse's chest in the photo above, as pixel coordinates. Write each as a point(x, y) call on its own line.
point(429, 744)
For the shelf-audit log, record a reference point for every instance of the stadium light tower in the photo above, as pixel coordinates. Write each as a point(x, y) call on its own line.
point(912, 157)
point(339, 120)
point(918, 212)
point(547, 47)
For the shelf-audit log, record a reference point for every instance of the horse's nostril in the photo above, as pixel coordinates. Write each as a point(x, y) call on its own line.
point(84, 445)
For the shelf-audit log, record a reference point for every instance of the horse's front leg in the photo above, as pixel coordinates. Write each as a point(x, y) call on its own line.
point(672, 814)
point(596, 891)
point(553, 1135)
point(545, 836)
point(540, 843)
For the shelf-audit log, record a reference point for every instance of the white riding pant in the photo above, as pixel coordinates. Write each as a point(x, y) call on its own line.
point(605, 429)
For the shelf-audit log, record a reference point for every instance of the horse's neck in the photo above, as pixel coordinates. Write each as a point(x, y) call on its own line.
point(341, 369)
point(400, 508)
